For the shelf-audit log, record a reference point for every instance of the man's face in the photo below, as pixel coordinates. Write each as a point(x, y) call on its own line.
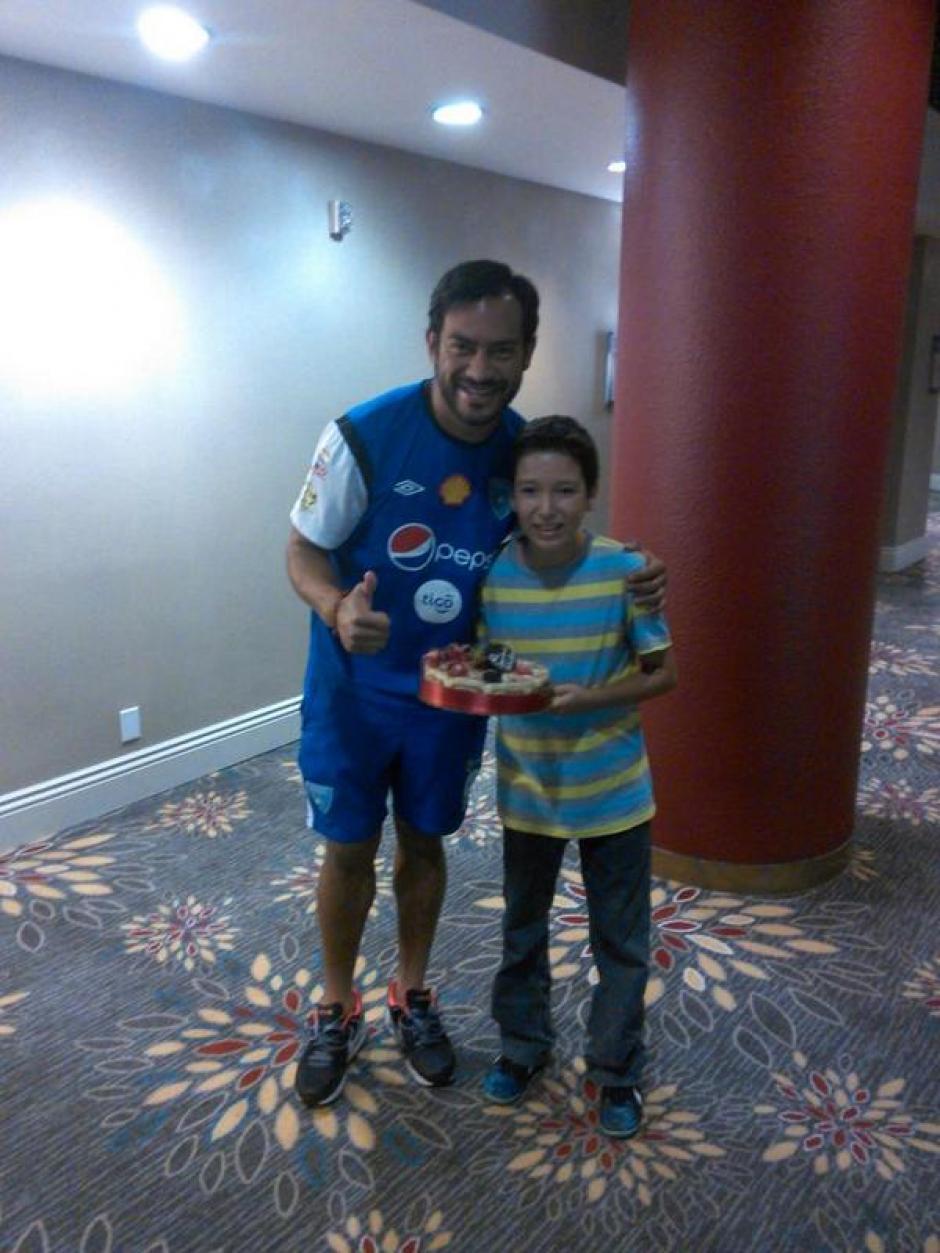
point(479, 358)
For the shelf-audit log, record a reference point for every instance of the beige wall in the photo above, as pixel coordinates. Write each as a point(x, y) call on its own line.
point(143, 526)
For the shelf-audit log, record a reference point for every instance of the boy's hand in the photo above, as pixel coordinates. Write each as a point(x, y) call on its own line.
point(570, 698)
point(362, 629)
point(649, 584)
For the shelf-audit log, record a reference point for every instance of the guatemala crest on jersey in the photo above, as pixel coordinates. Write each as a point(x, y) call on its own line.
point(500, 498)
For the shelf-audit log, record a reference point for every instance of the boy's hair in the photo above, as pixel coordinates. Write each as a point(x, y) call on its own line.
point(557, 433)
point(475, 280)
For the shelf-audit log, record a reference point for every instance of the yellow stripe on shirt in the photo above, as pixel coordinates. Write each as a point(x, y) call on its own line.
point(572, 791)
point(569, 644)
point(586, 742)
point(539, 596)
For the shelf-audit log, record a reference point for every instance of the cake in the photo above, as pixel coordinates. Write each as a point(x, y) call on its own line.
point(492, 672)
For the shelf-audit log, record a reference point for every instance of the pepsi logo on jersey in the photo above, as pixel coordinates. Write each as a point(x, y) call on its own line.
point(414, 546)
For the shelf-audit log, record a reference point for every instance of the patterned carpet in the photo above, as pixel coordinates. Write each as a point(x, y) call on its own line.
point(156, 968)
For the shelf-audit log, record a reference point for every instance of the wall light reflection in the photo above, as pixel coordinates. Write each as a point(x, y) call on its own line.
point(84, 310)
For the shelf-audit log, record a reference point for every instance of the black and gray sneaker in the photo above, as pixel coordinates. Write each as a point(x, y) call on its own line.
point(335, 1039)
point(417, 1025)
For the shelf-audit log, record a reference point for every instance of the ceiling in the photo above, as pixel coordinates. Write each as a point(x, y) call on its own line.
point(370, 69)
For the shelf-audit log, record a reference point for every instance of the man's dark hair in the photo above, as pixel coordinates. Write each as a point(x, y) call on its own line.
point(557, 433)
point(475, 280)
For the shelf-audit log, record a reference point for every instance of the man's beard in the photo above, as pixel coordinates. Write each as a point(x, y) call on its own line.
point(497, 397)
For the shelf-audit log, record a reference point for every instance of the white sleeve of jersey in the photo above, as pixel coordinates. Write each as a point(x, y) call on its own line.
point(333, 497)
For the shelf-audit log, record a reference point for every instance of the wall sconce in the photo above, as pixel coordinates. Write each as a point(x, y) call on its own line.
point(610, 368)
point(340, 219)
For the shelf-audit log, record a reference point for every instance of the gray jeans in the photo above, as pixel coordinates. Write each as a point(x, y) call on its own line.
point(616, 872)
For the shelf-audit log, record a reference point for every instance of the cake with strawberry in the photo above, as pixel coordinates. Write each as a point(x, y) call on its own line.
point(483, 679)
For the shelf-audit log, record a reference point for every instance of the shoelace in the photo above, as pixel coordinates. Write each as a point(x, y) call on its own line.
point(332, 1032)
point(427, 1022)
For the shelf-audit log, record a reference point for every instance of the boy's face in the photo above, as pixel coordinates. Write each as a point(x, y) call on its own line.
point(550, 499)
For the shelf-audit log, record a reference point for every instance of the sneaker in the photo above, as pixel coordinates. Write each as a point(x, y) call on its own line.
point(621, 1112)
point(506, 1081)
point(335, 1039)
point(417, 1026)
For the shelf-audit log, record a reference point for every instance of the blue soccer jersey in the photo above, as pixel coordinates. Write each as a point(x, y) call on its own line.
point(433, 512)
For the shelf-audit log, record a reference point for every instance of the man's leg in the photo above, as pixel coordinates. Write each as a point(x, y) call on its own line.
point(420, 884)
point(337, 1026)
point(346, 751)
point(345, 893)
point(439, 757)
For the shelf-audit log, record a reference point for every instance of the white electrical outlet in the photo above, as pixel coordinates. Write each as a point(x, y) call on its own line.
point(130, 724)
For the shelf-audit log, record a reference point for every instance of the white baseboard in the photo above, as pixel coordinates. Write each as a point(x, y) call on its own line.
point(903, 555)
point(44, 808)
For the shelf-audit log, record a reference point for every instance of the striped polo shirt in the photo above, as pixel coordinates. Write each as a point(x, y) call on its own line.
point(573, 775)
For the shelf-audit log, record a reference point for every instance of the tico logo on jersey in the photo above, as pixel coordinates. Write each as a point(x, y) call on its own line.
point(414, 546)
point(411, 546)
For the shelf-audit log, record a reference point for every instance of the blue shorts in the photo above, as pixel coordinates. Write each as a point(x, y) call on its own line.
point(358, 744)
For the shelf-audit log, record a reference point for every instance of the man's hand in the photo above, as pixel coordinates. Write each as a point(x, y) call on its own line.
point(649, 584)
point(362, 629)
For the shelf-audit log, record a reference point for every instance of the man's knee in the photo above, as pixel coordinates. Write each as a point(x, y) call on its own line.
point(413, 846)
point(352, 860)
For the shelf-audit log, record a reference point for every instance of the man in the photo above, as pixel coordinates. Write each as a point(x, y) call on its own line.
point(404, 506)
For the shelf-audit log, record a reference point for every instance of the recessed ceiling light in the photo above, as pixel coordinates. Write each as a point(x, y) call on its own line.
point(617, 167)
point(458, 113)
point(170, 33)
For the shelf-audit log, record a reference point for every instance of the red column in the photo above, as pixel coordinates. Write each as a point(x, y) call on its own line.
point(772, 152)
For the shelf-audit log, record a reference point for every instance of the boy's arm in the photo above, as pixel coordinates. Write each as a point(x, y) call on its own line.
point(657, 676)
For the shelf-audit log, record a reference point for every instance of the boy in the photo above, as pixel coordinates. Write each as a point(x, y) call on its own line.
point(577, 771)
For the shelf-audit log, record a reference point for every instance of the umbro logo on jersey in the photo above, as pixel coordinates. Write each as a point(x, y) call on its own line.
point(408, 487)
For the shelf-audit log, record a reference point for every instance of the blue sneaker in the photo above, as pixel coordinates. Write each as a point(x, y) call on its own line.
point(506, 1081)
point(621, 1112)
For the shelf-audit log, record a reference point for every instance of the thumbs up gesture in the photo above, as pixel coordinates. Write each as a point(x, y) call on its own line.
point(361, 628)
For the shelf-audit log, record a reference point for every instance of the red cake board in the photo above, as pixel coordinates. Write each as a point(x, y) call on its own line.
point(464, 701)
